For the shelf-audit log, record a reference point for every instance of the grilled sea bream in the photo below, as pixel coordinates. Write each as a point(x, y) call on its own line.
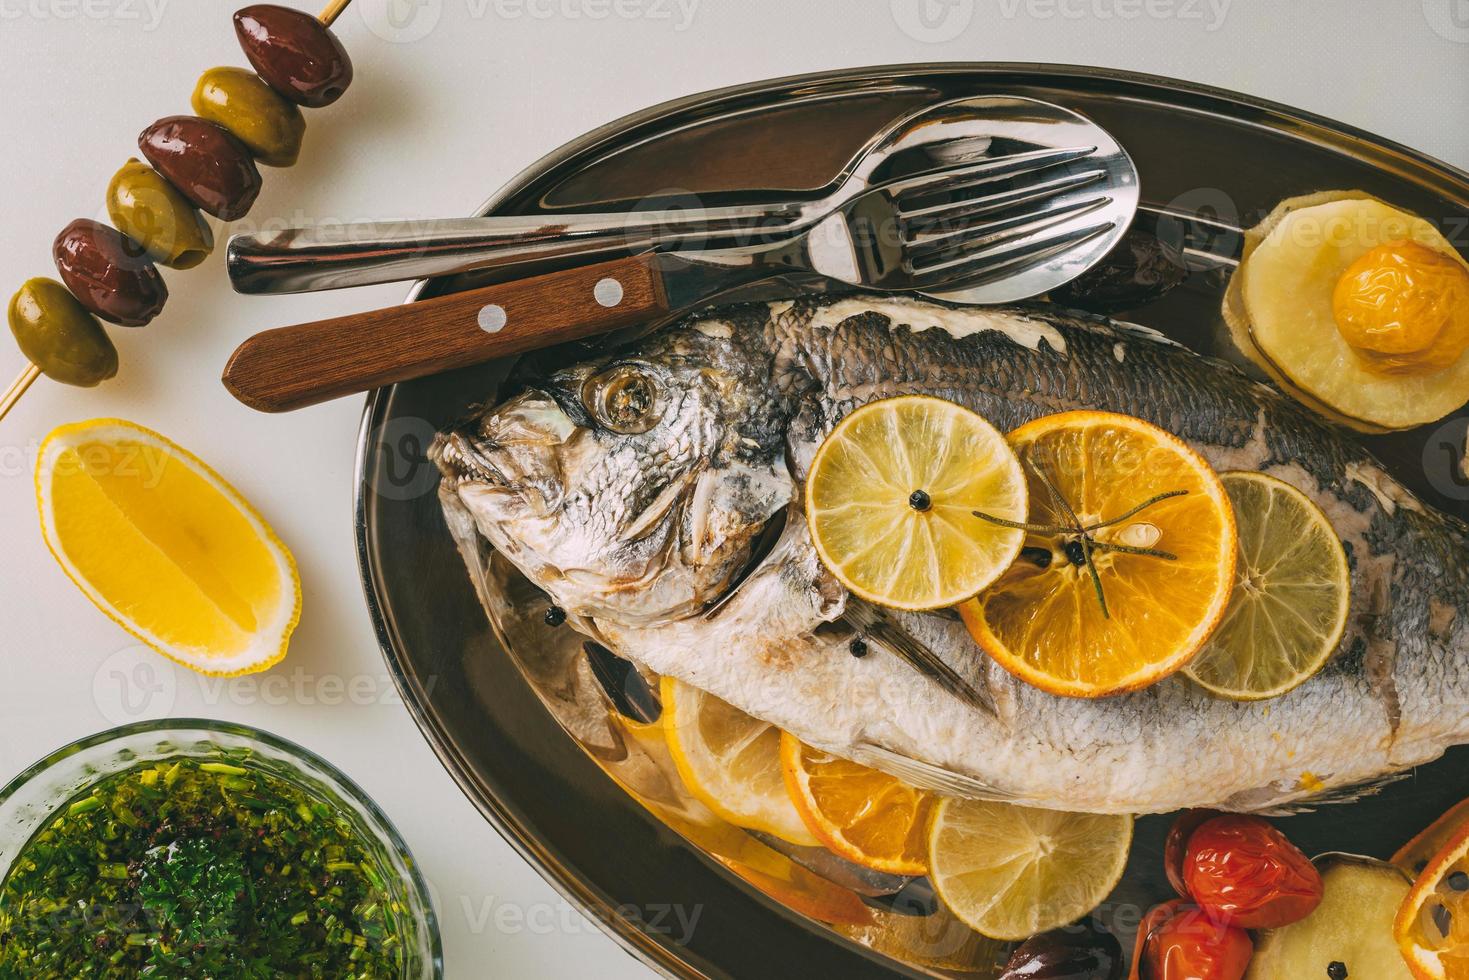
point(641, 492)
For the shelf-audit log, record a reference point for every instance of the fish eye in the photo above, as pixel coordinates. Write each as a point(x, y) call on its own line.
point(622, 399)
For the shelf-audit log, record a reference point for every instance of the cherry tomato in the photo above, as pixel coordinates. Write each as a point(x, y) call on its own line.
point(1179, 941)
point(1243, 871)
point(1174, 851)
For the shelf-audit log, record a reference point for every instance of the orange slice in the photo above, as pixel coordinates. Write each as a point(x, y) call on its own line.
point(1414, 856)
point(866, 816)
point(1044, 621)
point(1432, 926)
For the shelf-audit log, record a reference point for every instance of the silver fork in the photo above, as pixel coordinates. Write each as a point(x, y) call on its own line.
point(995, 130)
point(963, 228)
point(955, 231)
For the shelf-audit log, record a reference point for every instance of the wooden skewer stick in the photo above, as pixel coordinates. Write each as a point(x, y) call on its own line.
point(27, 377)
point(17, 388)
point(333, 11)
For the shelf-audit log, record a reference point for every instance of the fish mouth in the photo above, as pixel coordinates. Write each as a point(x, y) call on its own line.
point(461, 461)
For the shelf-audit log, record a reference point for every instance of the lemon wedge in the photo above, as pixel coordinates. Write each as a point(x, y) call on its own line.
point(730, 762)
point(1009, 872)
point(165, 547)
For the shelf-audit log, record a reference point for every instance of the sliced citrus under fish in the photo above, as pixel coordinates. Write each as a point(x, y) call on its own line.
point(1414, 856)
point(1135, 597)
point(165, 547)
point(866, 816)
point(890, 499)
point(1432, 926)
point(1009, 872)
point(1292, 593)
point(730, 762)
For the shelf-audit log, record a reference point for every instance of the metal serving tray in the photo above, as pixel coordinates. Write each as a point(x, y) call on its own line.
point(510, 706)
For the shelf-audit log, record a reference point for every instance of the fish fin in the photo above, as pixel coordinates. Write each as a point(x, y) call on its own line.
point(926, 775)
point(628, 691)
point(875, 624)
point(1334, 797)
point(835, 869)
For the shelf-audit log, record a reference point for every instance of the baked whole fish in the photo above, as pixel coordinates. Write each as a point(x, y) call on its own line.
point(634, 489)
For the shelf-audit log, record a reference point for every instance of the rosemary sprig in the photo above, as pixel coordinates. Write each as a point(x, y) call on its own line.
point(1083, 532)
point(1084, 537)
point(1137, 510)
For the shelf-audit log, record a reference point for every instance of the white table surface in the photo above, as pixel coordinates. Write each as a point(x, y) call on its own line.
point(451, 98)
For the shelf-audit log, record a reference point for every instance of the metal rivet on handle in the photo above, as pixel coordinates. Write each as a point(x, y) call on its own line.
point(491, 318)
point(608, 292)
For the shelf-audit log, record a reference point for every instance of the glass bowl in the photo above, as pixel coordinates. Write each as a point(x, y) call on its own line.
point(32, 797)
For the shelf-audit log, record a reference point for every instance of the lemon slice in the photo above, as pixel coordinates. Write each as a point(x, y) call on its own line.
point(730, 762)
point(1009, 872)
point(1165, 564)
point(165, 547)
point(1292, 593)
point(866, 816)
point(891, 496)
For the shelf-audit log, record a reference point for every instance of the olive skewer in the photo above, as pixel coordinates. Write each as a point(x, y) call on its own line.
point(204, 162)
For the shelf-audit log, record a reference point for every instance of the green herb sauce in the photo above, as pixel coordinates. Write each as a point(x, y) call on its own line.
point(198, 869)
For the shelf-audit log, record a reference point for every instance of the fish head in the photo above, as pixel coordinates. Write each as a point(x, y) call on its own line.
point(628, 488)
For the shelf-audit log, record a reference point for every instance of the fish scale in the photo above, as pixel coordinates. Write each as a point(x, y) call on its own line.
point(763, 384)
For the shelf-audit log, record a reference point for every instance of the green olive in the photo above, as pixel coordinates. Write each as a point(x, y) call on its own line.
point(59, 336)
point(149, 210)
point(240, 101)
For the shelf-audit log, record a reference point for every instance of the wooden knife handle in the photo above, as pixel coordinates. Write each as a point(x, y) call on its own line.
point(292, 367)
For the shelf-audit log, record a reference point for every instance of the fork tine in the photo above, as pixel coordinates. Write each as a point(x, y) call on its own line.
point(924, 244)
point(1004, 255)
point(994, 168)
point(999, 201)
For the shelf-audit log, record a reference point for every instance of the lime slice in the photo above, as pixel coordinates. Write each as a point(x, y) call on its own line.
point(1009, 872)
point(1292, 593)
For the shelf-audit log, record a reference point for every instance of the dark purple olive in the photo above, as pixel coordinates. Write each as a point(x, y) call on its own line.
point(1138, 270)
point(109, 273)
point(295, 54)
point(205, 162)
point(1077, 952)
